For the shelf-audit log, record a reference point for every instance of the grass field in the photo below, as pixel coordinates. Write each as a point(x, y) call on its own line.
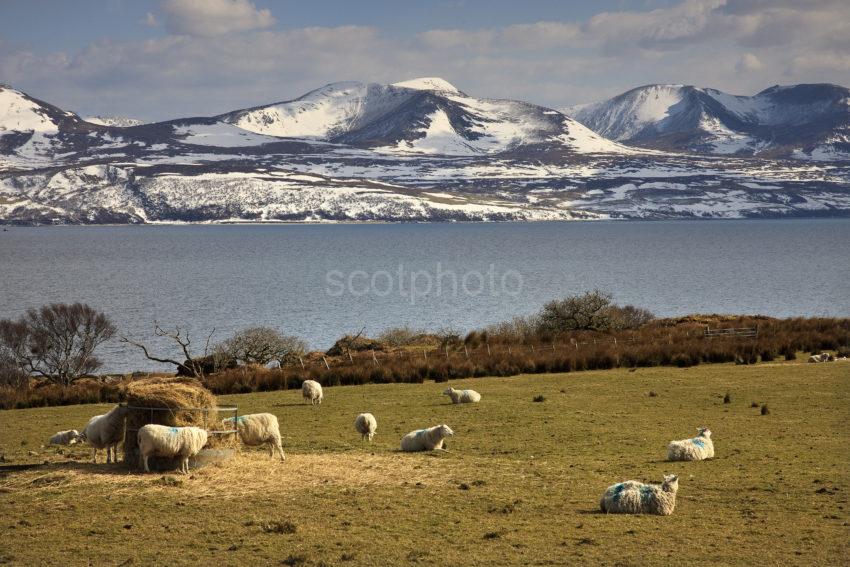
point(520, 484)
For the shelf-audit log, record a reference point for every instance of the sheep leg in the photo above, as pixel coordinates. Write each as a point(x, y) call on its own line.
point(145, 458)
point(94, 455)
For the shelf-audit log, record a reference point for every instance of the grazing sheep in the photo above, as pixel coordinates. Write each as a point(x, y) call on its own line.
point(633, 497)
point(312, 391)
point(366, 425)
point(164, 441)
point(259, 429)
point(105, 432)
point(426, 439)
point(815, 358)
point(462, 396)
point(65, 437)
point(696, 449)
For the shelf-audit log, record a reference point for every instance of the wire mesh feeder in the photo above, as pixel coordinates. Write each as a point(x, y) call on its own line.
point(177, 402)
point(221, 441)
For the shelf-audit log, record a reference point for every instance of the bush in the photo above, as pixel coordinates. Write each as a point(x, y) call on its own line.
point(261, 345)
point(56, 341)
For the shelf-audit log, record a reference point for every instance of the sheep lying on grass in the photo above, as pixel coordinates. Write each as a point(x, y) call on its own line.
point(163, 441)
point(426, 439)
point(65, 437)
point(822, 357)
point(105, 432)
point(258, 429)
point(462, 396)
point(633, 497)
point(696, 449)
point(366, 425)
point(312, 391)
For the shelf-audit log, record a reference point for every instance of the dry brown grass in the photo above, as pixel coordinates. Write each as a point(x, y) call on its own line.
point(241, 477)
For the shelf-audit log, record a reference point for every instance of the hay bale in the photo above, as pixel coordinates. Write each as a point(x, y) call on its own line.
point(171, 401)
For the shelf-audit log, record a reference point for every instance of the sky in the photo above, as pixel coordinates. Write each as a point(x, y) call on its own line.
point(161, 59)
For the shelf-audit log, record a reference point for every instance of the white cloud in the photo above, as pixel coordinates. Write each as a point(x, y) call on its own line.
point(214, 17)
point(150, 20)
point(739, 46)
point(748, 62)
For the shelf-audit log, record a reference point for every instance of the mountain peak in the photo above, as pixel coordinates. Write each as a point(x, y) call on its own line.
point(429, 84)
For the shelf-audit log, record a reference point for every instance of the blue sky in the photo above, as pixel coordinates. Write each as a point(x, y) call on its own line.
point(160, 59)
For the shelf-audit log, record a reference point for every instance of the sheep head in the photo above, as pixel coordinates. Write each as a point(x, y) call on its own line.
point(446, 431)
point(671, 483)
point(704, 431)
point(448, 391)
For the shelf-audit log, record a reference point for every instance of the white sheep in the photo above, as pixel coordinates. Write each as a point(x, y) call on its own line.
point(696, 449)
point(259, 429)
point(426, 439)
point(164, 441)
point(105, 432)
point(633, 497)
point(65, 437)
point(815, 358)
point(366, 425)
point(312, 391)
point(462, 396)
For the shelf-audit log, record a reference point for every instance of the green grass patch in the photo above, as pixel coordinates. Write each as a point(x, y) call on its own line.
point(519, 485)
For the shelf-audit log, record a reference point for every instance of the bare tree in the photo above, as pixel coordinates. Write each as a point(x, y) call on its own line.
point(193, 366)
point(260, 345)
point(56, 341)
point(576, 313)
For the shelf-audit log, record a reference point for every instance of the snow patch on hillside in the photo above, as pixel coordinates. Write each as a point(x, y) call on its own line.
point(429, 84)
point(220, 134)
point(20, 114)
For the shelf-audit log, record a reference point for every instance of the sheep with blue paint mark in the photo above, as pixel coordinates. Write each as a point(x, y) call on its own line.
point(257, 429)
point(312, 392)
point(462, 396)
point(366, 425)
point(426, 439)
point(164, 441)
point(633, 497)
point(105, 432)
point(696, 449)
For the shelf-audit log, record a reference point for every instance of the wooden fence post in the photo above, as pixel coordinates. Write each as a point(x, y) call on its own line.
point(328, 366)
point(466, 351)
point(488, 349)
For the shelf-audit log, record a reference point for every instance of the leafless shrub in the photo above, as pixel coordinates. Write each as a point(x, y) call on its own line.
point(56, 341)
point(260, 345)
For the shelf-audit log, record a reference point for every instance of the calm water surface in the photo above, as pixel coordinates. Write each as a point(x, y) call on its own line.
point(320, 281)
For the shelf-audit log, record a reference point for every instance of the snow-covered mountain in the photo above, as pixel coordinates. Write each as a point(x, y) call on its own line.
point(800, 121)
point(117, 121)
point(427, 116)
point(419, 150)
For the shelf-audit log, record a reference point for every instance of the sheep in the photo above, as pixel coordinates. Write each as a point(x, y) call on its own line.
point(312, 392)
point(462, 396)
point(426, 439)
point(165, 441)
point(65, 437)
point(696, 449)
point(633, 497)
point(822, 357)
point(366, 425)
point(258, 429)
point(105, 432)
